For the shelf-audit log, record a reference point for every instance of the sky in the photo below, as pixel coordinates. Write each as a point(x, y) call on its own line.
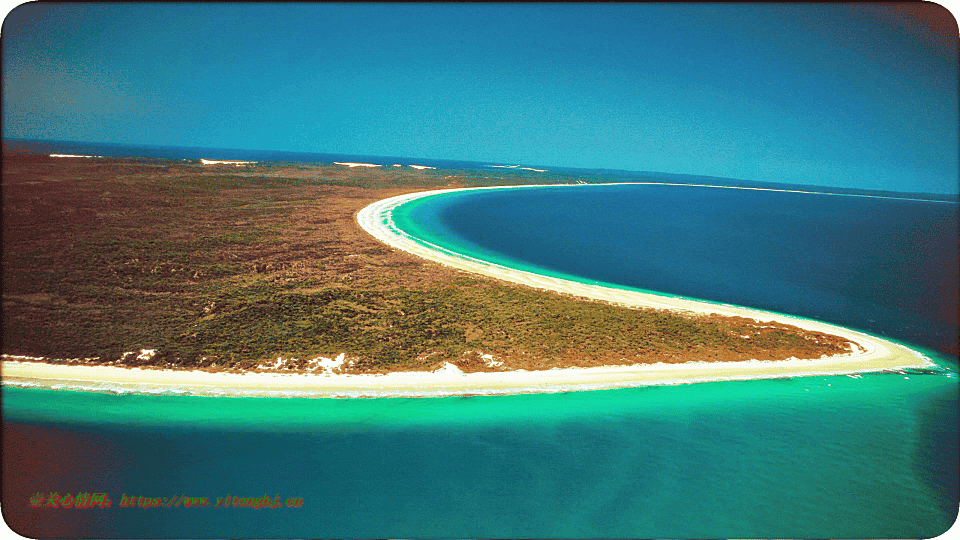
point(862, 96)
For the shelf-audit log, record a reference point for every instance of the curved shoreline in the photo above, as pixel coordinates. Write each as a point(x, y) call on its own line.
point(875, 354)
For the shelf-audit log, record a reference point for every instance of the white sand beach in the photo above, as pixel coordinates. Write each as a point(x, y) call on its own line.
point(447, 381)
point(873, 354)
point(352, 165)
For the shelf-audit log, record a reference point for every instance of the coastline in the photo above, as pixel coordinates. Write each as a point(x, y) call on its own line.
point(874, 354)
point(448, 381)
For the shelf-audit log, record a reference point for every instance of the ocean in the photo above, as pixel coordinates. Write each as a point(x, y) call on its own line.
point(870, 456)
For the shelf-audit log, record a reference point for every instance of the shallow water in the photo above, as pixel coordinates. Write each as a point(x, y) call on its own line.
point(808, 457)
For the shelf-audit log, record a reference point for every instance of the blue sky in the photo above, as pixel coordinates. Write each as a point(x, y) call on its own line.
point(855, 96)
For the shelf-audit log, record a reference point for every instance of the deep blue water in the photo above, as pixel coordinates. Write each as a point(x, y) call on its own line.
point(884, 265)
point(814, 457)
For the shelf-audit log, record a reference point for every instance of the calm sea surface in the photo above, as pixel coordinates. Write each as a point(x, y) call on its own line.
point(868, 457)
point(887, 266)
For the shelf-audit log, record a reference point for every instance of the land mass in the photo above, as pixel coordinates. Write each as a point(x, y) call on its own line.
point(184, 265)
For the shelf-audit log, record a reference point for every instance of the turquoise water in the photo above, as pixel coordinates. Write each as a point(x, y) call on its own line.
point(873, 456)
point(806, 457)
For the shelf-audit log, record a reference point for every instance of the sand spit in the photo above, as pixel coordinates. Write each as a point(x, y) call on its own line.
point(872, 354)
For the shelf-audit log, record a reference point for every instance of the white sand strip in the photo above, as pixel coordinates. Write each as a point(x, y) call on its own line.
point(443, 382)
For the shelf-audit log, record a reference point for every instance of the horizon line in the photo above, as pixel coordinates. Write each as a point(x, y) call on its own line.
point(955, 196)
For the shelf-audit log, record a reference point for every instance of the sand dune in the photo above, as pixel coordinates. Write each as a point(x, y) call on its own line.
point(224, 162)
point(352, 165)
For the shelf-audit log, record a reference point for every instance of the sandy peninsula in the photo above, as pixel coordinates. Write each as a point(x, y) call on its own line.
point(870, 354)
